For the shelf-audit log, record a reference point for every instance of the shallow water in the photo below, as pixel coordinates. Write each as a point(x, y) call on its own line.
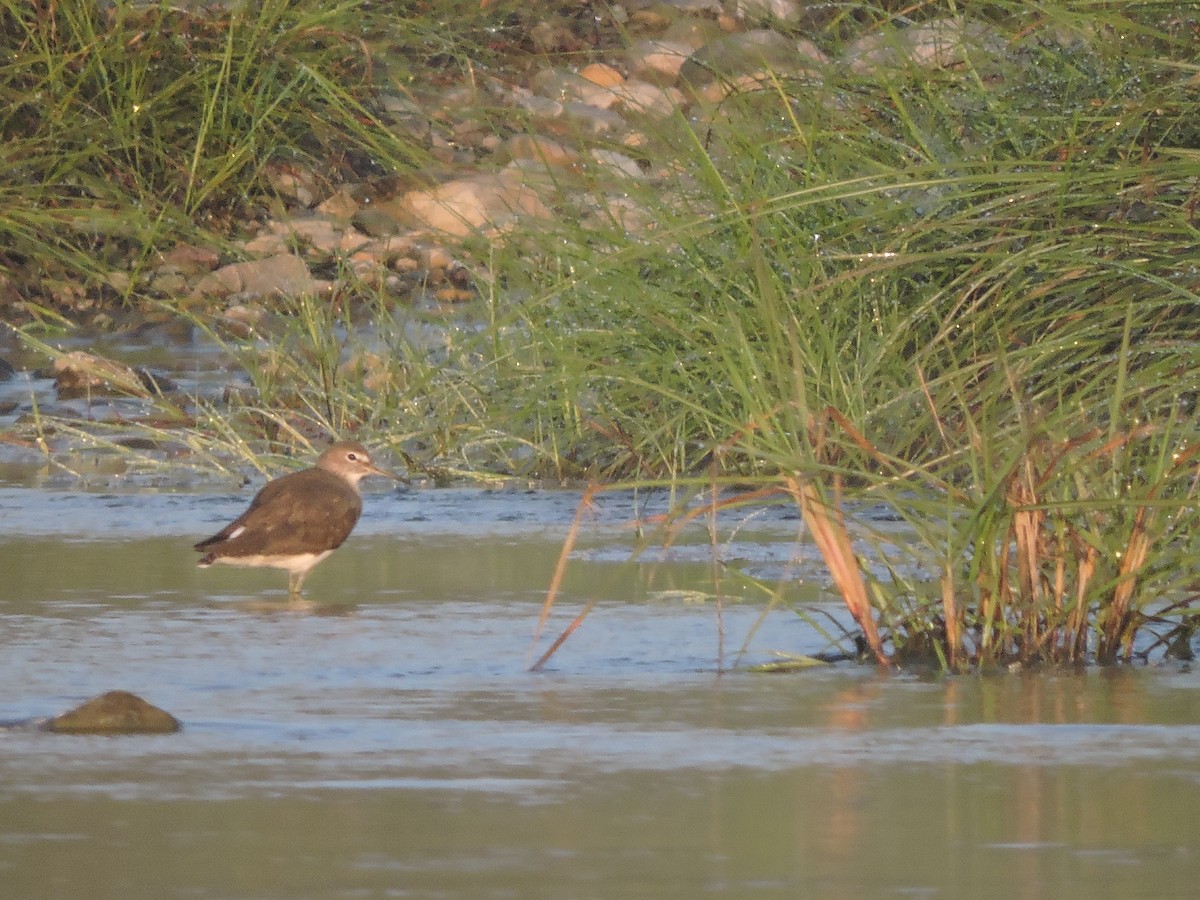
point(392, 741)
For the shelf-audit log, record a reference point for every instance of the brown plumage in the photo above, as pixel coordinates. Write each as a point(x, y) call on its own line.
point(296, 521)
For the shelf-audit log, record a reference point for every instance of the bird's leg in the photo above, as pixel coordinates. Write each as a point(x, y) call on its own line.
point(295, 579)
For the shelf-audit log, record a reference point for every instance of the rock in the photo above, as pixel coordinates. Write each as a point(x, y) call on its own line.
point(605, 94)
point(658, 61)
point(711, 7)
point(374, 372)
point(242, 320)
point(618, 163)
point(436, 258)
point(117, 712)
point(271, 240)
point(730, 59)
point(80, 374)
point(406, 265)
point(120, 282)
point(536, 106)
point(582, 119)
point(938, 44)
point(488, 202)
point(781, 10)
point(694, 33)
point(648, 99)
point(188, 259)
point(453, 295)
point(283, 274)
point(543, 149)
point(6, 370)
point(379, 220)
point(339, 206)
point(371, 259)
point(323, 234)
point(292, 183)
point(622, 213)
point(650, 19)
point(326, 237)
point(569, 86)
point(170, 284)
point(407, 117)
point(601, 74)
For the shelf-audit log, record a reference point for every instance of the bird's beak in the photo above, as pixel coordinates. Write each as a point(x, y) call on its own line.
point(375, 470)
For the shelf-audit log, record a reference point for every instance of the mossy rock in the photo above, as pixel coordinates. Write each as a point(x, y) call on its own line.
point(116, 712)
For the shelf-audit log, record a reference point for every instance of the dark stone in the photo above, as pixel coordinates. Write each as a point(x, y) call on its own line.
point(117, 712)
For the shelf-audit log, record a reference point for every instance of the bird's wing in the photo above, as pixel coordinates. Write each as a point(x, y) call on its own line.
point(291, 515)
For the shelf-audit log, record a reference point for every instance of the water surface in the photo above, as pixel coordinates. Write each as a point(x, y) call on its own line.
point(391, 741)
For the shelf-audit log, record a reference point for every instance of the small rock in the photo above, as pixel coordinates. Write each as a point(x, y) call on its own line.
point(374, 372)
point(379, 220)
point(692, 32)
point(650, 19)
point(618, 163)
point(6, 369)
point(453, 295)
point(80, 374)
point(272, 240)
point(583, 119)
point(339, 206)
point(658, 61)
point(243, 319)
point(188, 259)
point(436, 258)
point(782, 10)
point(292, 183)
point(539, 107)
point(710, 7)
point(568, 87)
point(748, 53)
point(327, 237)
point(117, 712)
point(120, 282)
point(487, 202)
point(939, 44)
point(282, 274)
point(602, 74)
point(627, 214)
point(543, 149)
point(320, 234)
point(170, 284)
point(648, 99)
point(390, 248)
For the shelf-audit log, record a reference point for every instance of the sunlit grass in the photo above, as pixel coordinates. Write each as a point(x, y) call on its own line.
point(965, 295)
point(130, 125)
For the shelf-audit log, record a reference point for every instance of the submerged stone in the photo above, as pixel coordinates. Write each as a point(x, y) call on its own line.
point(116, 712)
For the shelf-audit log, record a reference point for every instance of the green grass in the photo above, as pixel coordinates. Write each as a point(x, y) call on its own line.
point(128, 126)
point(968, 295)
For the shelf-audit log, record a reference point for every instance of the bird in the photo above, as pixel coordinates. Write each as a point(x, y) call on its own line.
point(297, 520)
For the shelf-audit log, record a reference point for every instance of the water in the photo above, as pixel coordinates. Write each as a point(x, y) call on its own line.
point(392, 742)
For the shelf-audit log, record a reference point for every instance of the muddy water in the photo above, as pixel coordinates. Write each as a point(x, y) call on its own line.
point(392, 742)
